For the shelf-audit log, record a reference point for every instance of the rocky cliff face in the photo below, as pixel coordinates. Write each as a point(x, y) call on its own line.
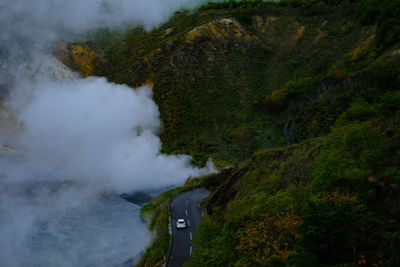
point(50, 68)
point(79, 58)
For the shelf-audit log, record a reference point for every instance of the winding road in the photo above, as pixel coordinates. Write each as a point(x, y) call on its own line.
point(185, 206)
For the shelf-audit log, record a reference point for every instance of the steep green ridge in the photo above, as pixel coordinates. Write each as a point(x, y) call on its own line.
point(304, 96)
point(213, 71)
point(326, 201)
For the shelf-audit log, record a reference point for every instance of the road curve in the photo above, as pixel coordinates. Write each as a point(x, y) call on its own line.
point(185, 206)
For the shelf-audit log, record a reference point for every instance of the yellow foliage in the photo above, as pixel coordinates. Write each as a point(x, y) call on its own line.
point(84, 59)
point(321, 34)
point(79, 58)
point(361, 47)
point(149, 82)
point(196, 32)
point(269, 237)
point(279, 96)
point(298, 34)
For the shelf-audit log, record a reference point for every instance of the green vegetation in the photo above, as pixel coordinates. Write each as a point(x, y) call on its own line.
point(329, 200)
point(302, 98)
point(325, 201)
point(158, 216)
point(228, 86)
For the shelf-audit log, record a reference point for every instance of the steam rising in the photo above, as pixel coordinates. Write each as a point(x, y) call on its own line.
point(29, 27)
point(100, 133)
point(50, 19)
point(84, 140)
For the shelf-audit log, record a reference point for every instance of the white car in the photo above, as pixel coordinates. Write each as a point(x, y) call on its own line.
point(180, 224)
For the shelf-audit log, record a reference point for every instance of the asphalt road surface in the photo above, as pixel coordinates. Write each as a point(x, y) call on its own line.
point(186, 206)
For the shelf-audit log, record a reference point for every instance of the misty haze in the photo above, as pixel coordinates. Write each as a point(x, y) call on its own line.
point(71, 146)
point(199, 133)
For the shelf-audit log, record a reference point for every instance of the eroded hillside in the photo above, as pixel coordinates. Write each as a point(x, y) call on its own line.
point(313, 88)
point(221, 82)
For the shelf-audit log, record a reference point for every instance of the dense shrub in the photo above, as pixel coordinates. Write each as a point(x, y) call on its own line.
point(332, 227)
point(388, 32)
point(212, 247)
point(360, 111)
point(328, 167)
point(368, 11)
point(278, 99)
point(390, 102)
point(363, 141)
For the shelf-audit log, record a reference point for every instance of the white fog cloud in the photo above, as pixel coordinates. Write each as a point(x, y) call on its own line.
point(98, 131)
point(84, 138)
point(49, 19)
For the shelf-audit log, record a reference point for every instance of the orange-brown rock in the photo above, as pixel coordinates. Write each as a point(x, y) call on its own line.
point(79, 58)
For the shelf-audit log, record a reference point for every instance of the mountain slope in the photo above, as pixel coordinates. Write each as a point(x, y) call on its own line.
point(213, 73)
point(307, 92)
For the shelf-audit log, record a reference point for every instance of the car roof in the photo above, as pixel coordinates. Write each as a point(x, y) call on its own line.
point(181, 220)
